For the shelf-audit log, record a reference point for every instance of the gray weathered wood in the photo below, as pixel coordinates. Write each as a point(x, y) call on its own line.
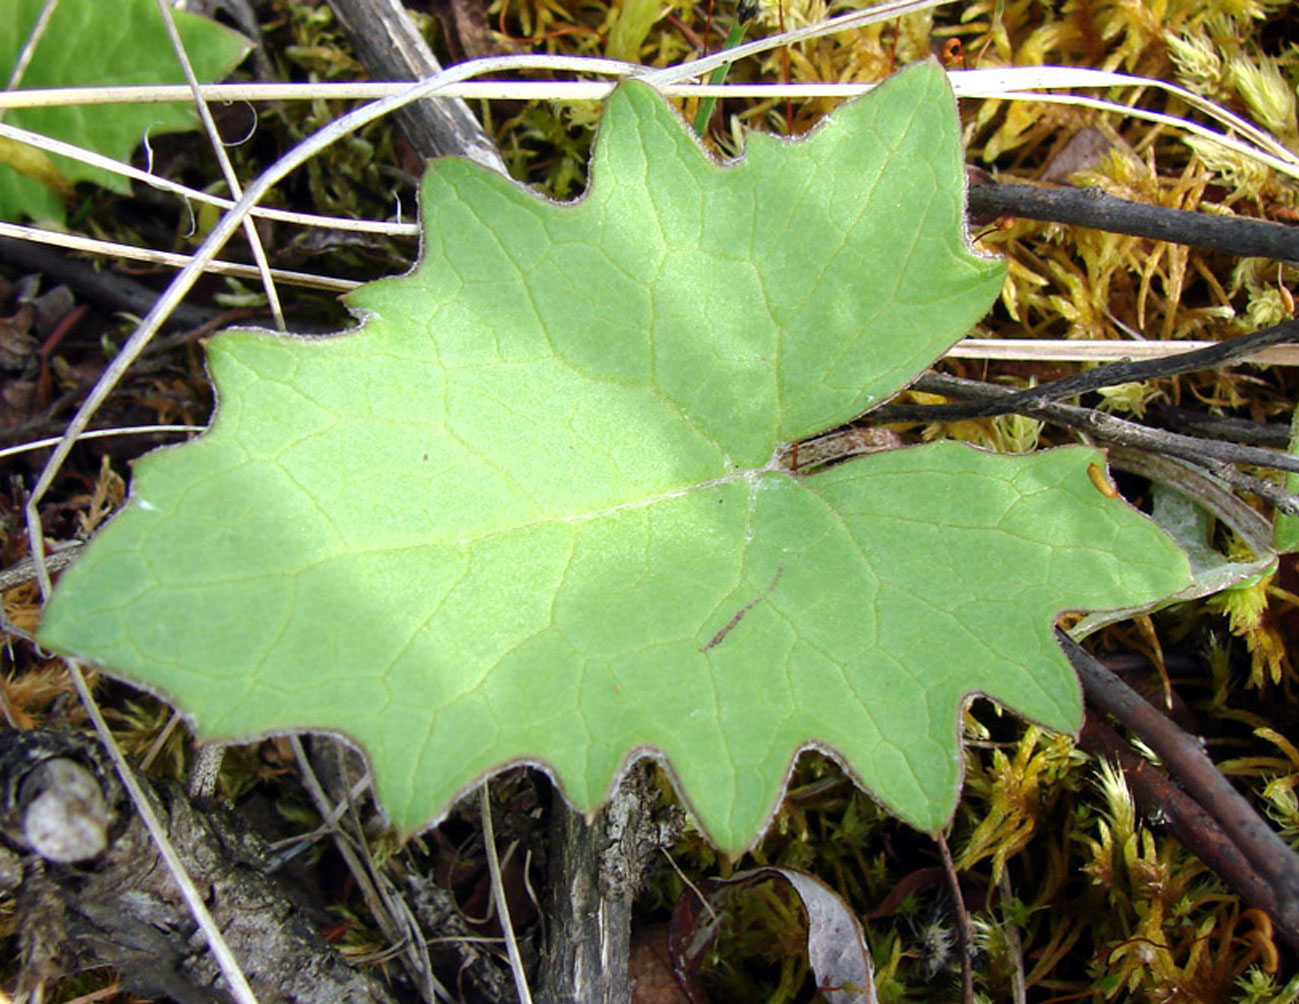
point(595, 871)
point(121, 907)
point(387, 42)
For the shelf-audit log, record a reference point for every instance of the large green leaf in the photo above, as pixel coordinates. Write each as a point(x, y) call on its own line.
point(97, 43)
point(533, 510)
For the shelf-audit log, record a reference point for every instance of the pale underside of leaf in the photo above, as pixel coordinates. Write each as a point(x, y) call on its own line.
point(531, 510)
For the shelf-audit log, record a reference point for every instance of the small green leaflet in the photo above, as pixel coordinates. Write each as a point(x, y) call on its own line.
point(91, 43)
point(1287, 527)
point(532, 511)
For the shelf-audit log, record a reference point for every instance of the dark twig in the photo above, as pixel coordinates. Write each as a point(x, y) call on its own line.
point(1235, 430)
point(106, 288)
point(1095, 423)
point(1197, 830)
point(1089, 207)
point(1274, 495)
point(1265, 850)
point(1113, 374)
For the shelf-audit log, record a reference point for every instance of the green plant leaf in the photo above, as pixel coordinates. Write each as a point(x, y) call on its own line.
point(91, 43)
point(534, 509)
point(1286, 537)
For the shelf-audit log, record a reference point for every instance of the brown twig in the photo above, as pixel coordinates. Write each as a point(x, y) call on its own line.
point(1267, 853)
point(1197, 830)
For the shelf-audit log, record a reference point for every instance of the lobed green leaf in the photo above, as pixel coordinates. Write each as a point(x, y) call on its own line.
point(533, 509)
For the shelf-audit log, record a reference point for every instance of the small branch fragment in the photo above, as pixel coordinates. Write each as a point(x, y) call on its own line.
point(1005, 400)
point(391, 47)
point(1097, 424)
point(1265, 851)
point(807, 454)
point(1090, 207)
point(1198, 831)
point(966, 940)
